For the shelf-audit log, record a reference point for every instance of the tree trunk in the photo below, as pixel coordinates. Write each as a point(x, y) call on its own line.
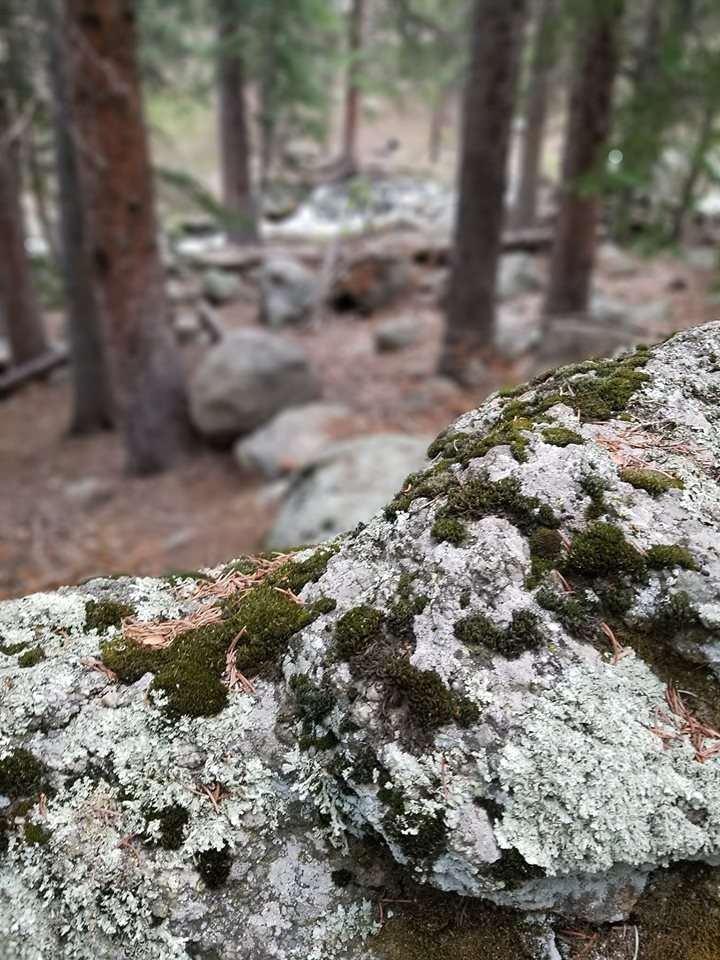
point(19, 306)
point(497, 29)
point(92, 393)
point(698, 155)
point(541, 68)
point(238, 197)
point(118, 187)
point(589, 119)
point(356, 39)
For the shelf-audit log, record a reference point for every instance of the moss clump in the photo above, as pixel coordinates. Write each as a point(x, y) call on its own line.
point(601, 550)
point(172, 821)
point(323, 606)
point(100, 615)
point(31, 657)
point(521, 634)
point(546, 547)
point(430, 703)
point(243, 565)
point(575, 617)
point(595, 488)
point(420, 836)
point(10, 649)
point(357, 629)
point(313, 703)
point(129, 659)
point(402, 613)
point(270, 619)
point(35, 834)
point(22, 775)
point(670, 555)
point(463, 447)
point(431, 484)
point(295, 574)
point(513, 869)
point(651, 481)
point(214, 866)
point(561, 437)
point(480, 498)
point(449, 530)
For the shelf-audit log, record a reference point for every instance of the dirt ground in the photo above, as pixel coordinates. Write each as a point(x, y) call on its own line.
point(68, 511)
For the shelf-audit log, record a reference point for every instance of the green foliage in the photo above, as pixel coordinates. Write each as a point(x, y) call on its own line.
point(449, 530)
point(22, 775)
point(561, 437)
point(295, 574)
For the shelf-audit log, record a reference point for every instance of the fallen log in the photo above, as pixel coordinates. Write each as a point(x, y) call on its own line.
point(23, 373)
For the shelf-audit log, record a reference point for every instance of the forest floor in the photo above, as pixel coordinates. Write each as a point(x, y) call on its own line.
point(69, 512)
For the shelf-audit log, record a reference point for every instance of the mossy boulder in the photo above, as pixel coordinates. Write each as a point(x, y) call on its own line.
point(484, 724)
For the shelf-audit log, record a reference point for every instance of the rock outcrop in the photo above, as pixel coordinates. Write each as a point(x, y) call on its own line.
point(470, 728)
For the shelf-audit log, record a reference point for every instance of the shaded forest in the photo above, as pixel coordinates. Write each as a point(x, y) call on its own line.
point(254, 254)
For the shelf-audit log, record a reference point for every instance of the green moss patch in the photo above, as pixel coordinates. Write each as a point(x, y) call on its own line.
point(357, 629)
point(22, 775)
point(670, 555)
point(595, 488)
point(295, 574)
point(561, 437)
point(522, 634)
point(420, 836)
point(480, 498)
point(31, 657)
point(449, 530)
point(11, 649)
point(431, 484)
point(401, 615)
point(35, 834)
point(430, 703)
point(100, 615)
point(651, 481)
point(601, 550)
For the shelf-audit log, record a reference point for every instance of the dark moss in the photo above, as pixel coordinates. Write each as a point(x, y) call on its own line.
point(323, 606)
point(357, 629)
point(601, 550)
point(514, 870)
point(449, 530)
point(364, 766)
point(100, 615)
point(214, 866)
point(670, 555)
point(431, 484)
point(35, 834)
point(295, 574)
point(172, 821)
point(546, 547)
point(561, 437)
point(465, 598)
point(521, 634)
point(401, 615)
point(22, 775)
point(480, 498)
point(31, 657)
point(11, 649)
point(595, 488)
point(270, 618)
point(577, 618)
point(129, 659)
point(246, 566)
point(420, 836)
point(313, 703)
point(430, 703)
point(651, 481)
point(341, 877)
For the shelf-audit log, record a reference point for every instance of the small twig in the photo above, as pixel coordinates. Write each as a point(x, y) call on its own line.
point(619, 652)
point(99, 667)
point(126, 844)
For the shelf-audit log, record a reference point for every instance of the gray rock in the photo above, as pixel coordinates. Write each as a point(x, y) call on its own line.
point(517, 330)
point(397, 333)
point(518, 273)
point(221, 287)
point(512, 759)
point(370, 282)
point(616, 262)
point(346, 486)
point(292, 439)
point(246, 379)
point(288, 291)
point(5, 354)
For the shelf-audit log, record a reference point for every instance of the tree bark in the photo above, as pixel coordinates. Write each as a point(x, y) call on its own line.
point(93, 408)
point(356, 39)
point(118, 188)
point(21, 313)
point(235, 150)
point(541, 68)
point(589, 119)
point(497, 29)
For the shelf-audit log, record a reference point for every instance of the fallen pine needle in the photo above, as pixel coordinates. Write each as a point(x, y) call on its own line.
point(159, 634)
